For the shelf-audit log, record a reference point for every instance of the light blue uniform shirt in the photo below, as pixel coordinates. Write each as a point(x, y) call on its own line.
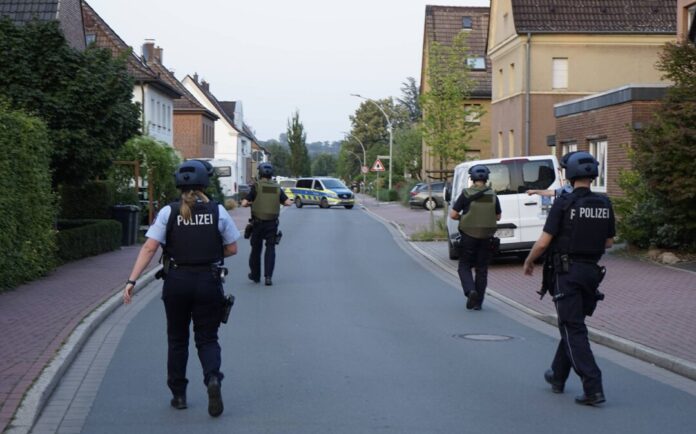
point(226, 226)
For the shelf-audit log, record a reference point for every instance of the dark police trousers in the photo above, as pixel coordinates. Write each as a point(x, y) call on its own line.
point(264, 230)
point(474, 253)
point(193, 295)
point(577, 287)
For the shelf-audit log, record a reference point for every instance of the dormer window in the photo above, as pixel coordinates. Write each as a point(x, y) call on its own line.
point(90, 38)
point(467, 23)
point(476, 63)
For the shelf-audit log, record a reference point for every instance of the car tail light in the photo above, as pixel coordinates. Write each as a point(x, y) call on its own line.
point(413, 193)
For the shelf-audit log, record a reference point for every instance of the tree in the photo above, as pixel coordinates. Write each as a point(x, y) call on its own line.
point(85, 98)
point(297, 139)
point(663, 158)
point(280, 158)
point(324, 165)
point(445, 127)
point(410, 99)
point(408, 150)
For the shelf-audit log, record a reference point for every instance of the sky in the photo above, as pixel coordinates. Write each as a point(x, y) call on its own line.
point(280, 56)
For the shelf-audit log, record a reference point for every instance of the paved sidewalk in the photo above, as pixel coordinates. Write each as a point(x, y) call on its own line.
point(647, 304)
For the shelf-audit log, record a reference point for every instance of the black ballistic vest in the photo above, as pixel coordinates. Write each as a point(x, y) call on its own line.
point(196, 241)
point(586, 224)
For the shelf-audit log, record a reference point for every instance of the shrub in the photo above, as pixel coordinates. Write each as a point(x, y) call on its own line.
point(79, 239)
point(92, 200)
point(27, 238)
point(405, 191)
point(388, 196)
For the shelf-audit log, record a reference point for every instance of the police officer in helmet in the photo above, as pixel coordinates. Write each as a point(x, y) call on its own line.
point(265, 198)
point(478, 209)
point(195, 234)
point(579, 228)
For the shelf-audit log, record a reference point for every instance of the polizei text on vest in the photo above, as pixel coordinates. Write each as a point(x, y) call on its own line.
point(197, 220)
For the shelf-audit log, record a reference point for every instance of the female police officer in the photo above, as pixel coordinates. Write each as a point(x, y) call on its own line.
point(195, 234)
point(579, 227)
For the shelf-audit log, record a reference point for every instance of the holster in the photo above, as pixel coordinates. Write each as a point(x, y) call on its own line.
point(166, 261)
point(248, 229)
point(227, 303)
point(495, 244)
point(278, 237)
point(548, 277)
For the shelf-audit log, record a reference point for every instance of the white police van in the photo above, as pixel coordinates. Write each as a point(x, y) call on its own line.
point(226, 170)
point(523, 216)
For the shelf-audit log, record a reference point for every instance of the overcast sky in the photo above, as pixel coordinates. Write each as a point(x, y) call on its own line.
point(278, 56)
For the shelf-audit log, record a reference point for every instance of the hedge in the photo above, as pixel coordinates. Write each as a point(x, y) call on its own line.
point(92, 200)
point(82, 238)
point(27, 238)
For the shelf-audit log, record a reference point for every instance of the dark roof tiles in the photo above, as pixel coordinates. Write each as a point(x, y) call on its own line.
point(22, 11)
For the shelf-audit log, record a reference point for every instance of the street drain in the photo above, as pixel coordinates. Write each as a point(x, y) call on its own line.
point(483, 337)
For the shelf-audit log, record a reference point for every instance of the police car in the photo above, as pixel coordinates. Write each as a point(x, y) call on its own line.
point(523, 216)
point(325, 192)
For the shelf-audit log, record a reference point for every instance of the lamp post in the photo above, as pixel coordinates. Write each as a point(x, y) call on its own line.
point(364, 160)
point(389, 129)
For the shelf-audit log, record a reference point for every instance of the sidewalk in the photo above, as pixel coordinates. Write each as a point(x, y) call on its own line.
point(649, 310)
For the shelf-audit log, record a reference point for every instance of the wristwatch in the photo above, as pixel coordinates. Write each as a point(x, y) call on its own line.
point(132, 282)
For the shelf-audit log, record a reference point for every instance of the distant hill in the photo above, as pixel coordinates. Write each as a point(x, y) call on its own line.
point(314, 148)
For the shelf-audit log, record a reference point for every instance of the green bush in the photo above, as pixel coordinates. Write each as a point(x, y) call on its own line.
point(90, 201)
point(79, 239)
point(405, 191)
point(27, 238)
point(388, 196)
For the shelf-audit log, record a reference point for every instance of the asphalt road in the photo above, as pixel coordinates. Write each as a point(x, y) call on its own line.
point(357, 335)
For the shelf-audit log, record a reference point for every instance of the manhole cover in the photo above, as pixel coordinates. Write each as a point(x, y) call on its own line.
point(483, 337)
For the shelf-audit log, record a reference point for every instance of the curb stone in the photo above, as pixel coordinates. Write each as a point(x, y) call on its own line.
point(36, 397)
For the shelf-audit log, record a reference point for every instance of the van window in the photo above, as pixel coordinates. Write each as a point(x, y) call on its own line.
point(287, 183)
point(317, 185)
point(304, 183)
point(223, 171)
point(500, 179)
point(537, 175)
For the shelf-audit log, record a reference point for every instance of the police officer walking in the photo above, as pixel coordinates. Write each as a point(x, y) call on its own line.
point(195, 234)
point(579, 228)
point(265, 198)
point(478, 209)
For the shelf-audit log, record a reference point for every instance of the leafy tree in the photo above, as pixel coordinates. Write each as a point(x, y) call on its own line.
point(280, 158)
point(85, 98)
point(663, 157)
point(408, 149)
point(445, 127)
point(324, 165)
point(410, 99)
point(297, 139)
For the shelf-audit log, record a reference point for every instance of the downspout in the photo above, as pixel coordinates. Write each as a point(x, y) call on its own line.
point(528, 100)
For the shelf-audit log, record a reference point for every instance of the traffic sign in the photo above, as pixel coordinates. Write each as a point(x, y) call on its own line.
point(364, 169)
point(378, 166)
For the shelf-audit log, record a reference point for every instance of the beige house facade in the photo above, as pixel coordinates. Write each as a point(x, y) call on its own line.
point(544, 52)
point(442, 24)
point(686, 15)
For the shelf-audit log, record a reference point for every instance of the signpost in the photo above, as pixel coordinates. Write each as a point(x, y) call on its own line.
point(377, 167)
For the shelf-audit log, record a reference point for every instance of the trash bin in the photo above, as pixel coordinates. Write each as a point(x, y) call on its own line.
point(129, 217)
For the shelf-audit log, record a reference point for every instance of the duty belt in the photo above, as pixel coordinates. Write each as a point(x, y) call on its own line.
point(195, 267)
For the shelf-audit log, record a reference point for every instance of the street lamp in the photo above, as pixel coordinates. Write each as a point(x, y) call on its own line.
point(389, 129)
point(364, 163)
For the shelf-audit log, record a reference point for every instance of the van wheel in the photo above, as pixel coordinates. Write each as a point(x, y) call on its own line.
point(453, 253)
point(430, 204)
point(349, 206)
point(298, 202)
point(324, 203)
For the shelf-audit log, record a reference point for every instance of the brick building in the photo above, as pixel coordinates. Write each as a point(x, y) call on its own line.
point(68, 13)
point(602, 124)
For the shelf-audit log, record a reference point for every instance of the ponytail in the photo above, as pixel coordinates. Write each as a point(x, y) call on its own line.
point(188, 198)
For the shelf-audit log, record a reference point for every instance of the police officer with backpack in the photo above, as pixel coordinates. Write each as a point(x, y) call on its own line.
point(579, 228)
point(478, 209)
point(265, 198)
point(196, 234)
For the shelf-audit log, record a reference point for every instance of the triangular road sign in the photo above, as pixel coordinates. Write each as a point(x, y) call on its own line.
point(378, 166)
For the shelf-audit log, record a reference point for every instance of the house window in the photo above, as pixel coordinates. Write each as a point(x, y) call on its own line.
point(467, 23)
point(569, 147)
point(691, 28)
point(90, 38)
point(500, 144)
point(511, 143)
point(473, 113)
point(598, 149)
point(158, 113)
point(511, 78)
point(500, 83)
point(560, 73)
point(476, 63)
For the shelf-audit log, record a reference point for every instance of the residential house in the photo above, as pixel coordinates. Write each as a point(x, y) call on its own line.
point(544, 52)
point(442, 24)
point(231, 142)
point(194, 125)
point(68, 13)
point(686, 17)
point(153, 93)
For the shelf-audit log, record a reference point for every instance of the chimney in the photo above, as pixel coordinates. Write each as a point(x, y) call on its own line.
point(205, 85)
point(149, 50)
point(159, 53)
point(195, 77)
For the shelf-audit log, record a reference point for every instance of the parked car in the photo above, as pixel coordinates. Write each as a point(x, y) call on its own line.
point(428, 196)
point(523, 216)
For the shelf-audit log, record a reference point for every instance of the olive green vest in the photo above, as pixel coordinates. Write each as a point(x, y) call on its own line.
point(266, 204)
point(479, 222)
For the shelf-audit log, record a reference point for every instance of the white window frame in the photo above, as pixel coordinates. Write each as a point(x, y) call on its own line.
point(471, 22)
point(476, 63)
point(600, 150)
point(474, 115)
point(559, 73)
point(569, 147)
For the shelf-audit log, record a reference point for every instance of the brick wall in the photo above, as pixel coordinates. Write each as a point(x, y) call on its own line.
point(612, 123)
point(188, 134)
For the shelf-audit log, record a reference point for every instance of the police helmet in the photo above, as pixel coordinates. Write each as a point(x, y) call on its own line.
point(265, 170)
point(479, 172)
point(192, 174)
point(564, 159)
point(208, 167)
point(581, 165)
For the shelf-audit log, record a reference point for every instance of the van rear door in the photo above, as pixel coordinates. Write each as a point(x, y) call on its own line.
point(502, 181)
point(537, 174)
